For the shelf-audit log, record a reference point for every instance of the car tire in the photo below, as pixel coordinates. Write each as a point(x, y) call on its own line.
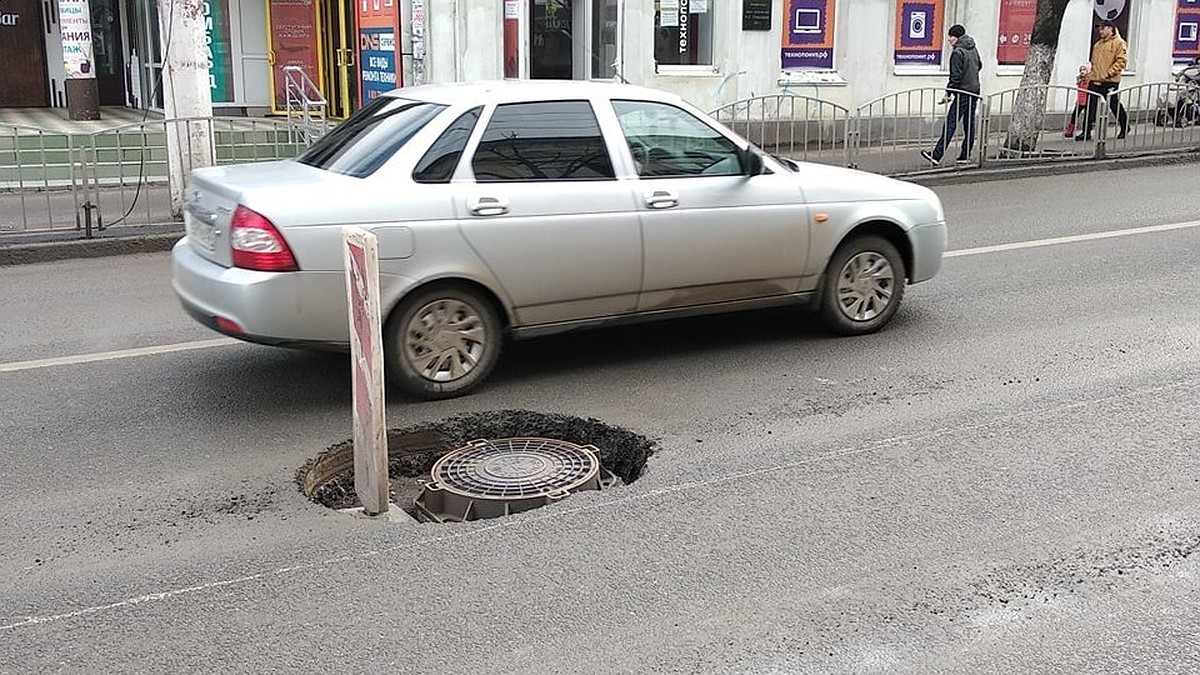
point(442, 342)
point(863, 286)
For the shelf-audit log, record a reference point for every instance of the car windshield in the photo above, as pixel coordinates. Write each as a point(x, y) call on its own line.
point(361, 144)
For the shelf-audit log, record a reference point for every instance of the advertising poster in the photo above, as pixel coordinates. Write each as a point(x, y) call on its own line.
point(75, 22)
point(377, 62)
point(293, 43)
point(378, 67)
point(919, 32)
point(1016, 27)
point(216, 41)
point(1187, 32)
point(808, 34)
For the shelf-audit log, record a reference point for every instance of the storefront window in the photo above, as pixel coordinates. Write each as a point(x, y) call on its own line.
point(683, 32)
point(604, 38)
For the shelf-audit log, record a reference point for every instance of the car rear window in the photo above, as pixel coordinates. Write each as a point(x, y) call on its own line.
point(361, 144)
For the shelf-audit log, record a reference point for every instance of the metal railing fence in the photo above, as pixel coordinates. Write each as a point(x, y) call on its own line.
point(90, 181)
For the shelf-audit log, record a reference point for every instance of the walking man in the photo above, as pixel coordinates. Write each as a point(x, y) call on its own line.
point(1109, 57)
point(962, 93)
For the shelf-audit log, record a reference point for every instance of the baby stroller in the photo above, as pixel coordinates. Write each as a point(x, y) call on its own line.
point(1181, 106)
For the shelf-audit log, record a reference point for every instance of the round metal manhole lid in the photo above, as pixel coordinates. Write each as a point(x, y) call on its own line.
point(516, 467)
point(496, 477)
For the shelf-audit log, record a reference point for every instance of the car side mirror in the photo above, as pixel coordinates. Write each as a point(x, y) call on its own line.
point(752, 162)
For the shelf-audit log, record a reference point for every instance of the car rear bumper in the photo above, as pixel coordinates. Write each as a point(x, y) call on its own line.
point(301, 309)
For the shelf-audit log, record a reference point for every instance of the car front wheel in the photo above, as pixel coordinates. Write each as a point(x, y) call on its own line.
point(442, 342)
point(863, 286)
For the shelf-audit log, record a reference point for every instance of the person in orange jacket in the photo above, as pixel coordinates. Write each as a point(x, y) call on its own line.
point(1109, 57)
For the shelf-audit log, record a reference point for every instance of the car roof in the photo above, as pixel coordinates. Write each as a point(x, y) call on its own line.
point(515, 91)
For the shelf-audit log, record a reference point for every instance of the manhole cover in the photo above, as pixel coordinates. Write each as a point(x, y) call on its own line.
point(498, 477)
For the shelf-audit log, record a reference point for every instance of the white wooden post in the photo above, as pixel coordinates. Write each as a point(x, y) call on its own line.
point(361, 254)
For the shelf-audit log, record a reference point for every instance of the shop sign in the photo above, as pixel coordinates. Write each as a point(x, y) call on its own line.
point(919, 32)
point(293, 43)
point(1016, 28)
point(808, 34)
point(1187, 32)
point(216, 42)
point(75, 25)
point(378, 67)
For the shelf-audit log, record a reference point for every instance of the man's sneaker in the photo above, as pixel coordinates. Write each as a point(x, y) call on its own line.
point(960, 161)
point(929, 158)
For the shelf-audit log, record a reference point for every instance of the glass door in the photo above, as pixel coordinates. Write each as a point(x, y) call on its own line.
point(551, 39)
point(568, 39)
point(145, 56)
point(108, 51)
point(337, 48)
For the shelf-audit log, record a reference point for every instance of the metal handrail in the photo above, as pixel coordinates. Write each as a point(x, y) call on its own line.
point(304, 102)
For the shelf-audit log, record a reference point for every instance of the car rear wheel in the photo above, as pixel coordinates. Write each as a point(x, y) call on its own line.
point(442, 342)
point(863, 286)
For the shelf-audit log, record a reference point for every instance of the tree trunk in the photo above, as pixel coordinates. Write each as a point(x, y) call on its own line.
point(1030, 107)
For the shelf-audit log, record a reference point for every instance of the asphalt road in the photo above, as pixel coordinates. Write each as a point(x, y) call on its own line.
point(1005, 480)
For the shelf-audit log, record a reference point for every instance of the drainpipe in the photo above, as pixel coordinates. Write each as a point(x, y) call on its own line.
point(186, 92)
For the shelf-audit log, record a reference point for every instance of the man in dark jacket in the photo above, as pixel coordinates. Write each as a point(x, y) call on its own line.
point(962, 93)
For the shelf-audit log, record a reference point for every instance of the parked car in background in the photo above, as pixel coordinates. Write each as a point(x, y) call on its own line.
point(518, 209)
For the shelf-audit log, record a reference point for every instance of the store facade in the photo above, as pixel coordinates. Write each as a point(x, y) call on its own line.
point(709, 51)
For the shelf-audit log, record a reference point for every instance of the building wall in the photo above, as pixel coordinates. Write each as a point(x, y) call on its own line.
point(465, 42)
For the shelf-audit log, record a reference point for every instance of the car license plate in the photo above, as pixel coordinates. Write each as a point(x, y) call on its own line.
point(199, 231)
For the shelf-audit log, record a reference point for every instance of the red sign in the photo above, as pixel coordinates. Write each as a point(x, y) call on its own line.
point(1016, 26)
point(512, 23)
point(293, 43)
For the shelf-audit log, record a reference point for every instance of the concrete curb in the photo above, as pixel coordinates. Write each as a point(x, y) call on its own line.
point(70, 249)
point(1044, 168)
point(52, 246)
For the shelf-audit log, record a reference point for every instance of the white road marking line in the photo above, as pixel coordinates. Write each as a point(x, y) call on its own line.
point(879, 445)
point(1070, 240)
point(221, 342)
point(17, 366)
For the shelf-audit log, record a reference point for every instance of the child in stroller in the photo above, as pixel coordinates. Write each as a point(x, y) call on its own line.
point(1181, 106)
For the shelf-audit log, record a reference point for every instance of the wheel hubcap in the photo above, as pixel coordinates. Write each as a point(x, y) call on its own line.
point(444, 340)
point(865, 286)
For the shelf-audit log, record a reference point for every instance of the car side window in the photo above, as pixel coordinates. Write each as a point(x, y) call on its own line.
point(667, 141)
point(544, 141)
point(439, 162)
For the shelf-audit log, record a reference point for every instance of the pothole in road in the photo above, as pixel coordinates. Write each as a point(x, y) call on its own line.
point(484, 465)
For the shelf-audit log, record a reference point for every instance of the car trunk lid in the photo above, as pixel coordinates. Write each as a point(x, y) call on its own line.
point(214, 193)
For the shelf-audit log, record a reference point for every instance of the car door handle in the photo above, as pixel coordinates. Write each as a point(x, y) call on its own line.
point(662, 199)
point(488, 206)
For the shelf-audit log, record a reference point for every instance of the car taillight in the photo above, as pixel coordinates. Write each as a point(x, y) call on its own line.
point(257, 245)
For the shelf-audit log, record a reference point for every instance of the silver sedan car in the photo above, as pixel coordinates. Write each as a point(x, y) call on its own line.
point(518, 209)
